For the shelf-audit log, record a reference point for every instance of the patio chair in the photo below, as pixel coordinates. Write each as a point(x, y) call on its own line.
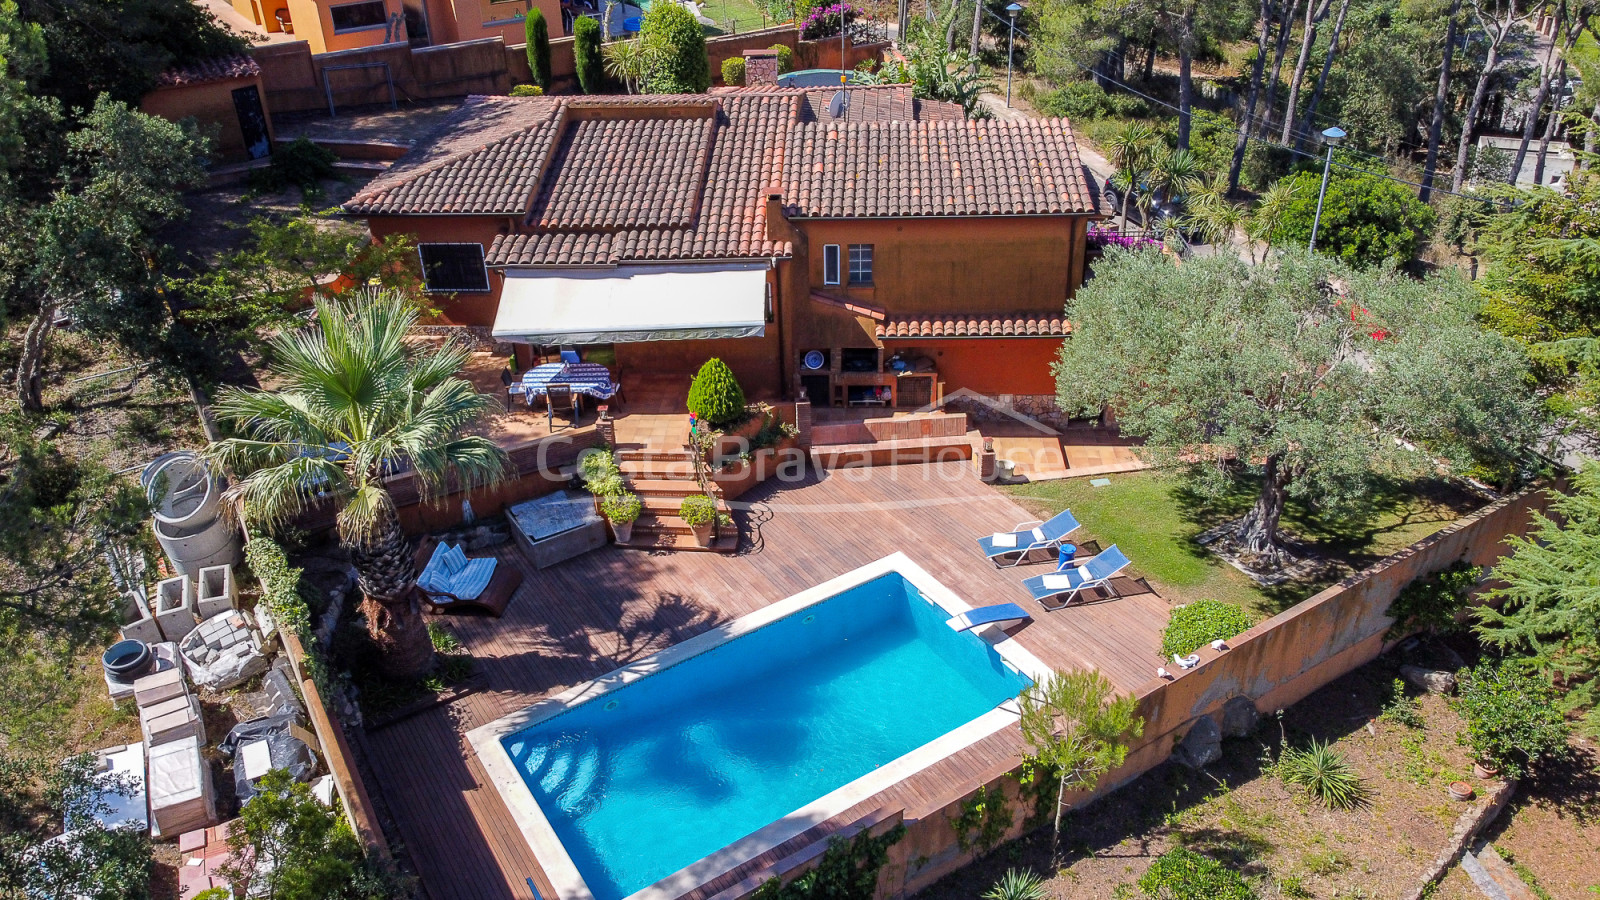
point(1021, 540)
point(569, 356)
point(561, 398)
point(452, 583)
point(1070, 580)
point(988, 615)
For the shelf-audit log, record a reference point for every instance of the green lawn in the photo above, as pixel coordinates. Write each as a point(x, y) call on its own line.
point(745, 16)
point(1152, 517)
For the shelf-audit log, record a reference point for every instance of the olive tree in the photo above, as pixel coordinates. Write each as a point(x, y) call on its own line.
point(1303, 375)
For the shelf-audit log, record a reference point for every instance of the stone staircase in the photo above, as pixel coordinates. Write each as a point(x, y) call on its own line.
point(662, 478)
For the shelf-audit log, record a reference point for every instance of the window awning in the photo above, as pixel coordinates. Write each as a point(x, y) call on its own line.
point(633, 303)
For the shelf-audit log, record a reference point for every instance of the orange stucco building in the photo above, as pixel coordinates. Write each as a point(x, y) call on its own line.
point(880, 252)
point(332, 25)
point(225, 93)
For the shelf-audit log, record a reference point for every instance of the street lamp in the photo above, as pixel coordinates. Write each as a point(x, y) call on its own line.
point(1011, 50)
point(1333, 135)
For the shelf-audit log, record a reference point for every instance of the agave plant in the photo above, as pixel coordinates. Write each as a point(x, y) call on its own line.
point(1018, 885)
point(356, 403)
point(1324, 774)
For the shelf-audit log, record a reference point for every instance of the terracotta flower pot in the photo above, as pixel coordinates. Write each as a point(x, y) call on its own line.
point(1485, 770)
point(623, 531)
point(1461, 791)
point(702, 533)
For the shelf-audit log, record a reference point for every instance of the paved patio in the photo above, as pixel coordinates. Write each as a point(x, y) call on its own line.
point(610, 607)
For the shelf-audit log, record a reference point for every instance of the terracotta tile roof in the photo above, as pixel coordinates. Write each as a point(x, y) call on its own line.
point(974, 325)
point(890, 169)
point(601, 180)
point(218, 68)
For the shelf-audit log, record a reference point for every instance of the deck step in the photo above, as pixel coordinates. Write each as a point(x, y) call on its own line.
point(661, 470)
point(654, 454)
point(669, 504)
point(650, 540)
point(680, 488)
point(893, 453)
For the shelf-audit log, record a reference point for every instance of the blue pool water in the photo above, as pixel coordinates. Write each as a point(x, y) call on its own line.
point(649, 778)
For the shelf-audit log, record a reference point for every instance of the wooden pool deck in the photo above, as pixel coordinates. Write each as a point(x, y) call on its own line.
point(611, 607)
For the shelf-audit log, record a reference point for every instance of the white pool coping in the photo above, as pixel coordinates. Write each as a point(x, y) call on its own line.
point(547, 847)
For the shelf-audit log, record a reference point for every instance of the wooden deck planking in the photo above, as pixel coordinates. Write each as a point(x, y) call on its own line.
point(610, 607)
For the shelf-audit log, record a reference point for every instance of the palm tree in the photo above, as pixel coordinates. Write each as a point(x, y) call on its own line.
point(357, 403)
point(1175, 173)
point(1270, 209)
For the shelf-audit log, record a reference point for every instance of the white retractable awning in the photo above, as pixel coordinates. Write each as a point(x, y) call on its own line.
point(633, 303)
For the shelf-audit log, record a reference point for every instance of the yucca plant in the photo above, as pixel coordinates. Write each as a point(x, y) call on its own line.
point(1018, 884)
point(1324, 774)
point(356, 403)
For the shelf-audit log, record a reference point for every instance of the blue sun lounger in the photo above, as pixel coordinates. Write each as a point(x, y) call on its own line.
point(989, 615)
point(1068, 581)
point(1022, 540)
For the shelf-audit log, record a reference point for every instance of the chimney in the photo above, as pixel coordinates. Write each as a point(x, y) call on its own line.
point(778, 226)
point(760, 68)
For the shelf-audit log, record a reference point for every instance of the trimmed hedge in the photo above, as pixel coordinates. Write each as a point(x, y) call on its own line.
point(715, 396)
point(527, 90)
point(1198, 624)
point(733, 71)
point(785, 57)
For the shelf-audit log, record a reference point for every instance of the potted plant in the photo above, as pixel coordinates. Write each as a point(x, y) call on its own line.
point(621, 510)
point(600, 474)
point(700, 512)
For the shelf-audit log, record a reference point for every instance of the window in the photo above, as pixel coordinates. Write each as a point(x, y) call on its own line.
point(860, 263)
point(830, 264)
point(448, 268)
point(356, 16)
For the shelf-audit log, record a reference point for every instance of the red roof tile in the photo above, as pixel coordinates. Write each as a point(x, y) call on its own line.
point(971, 325)
point(218, 68)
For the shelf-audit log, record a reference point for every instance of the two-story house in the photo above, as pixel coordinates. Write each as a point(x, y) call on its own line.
point(871, 249)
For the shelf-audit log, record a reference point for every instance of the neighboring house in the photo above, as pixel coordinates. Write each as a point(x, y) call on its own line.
point(224, 93)
point(331, 25)
point(868, 258)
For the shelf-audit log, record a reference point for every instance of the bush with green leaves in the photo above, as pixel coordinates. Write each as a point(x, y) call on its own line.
point(39, 797)
point(1324, 773)
point(1183, 874)
point(537, 32)
point(302, 163)
point(1430, 603)
point(527, 90)
point(698, 509)
point(1079, 101)
point(733, 71)
point(1513, 719)
point(1197, 624)
point(1018, 884)
point(715, 395)
point(1366, 218)
point(621, 508)
point(587, 62)
point(683, 67)
point(848, 870)
point(785, 57)
point(600, 473)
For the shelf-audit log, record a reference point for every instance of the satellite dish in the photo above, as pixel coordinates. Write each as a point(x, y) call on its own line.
point(839, 104)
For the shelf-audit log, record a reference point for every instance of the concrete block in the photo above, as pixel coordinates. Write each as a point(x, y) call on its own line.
point(159, 687)
point(172, 720)
point(217, 591)
point(175, 608)
point(137, 623)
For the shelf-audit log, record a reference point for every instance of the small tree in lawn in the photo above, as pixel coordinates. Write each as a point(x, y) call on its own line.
point(538, 34)
point(1078, 728)
point(1300, 376)
point(586, 59)
point(715, 396)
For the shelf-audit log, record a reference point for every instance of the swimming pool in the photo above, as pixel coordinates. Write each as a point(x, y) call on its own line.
point(708, 755)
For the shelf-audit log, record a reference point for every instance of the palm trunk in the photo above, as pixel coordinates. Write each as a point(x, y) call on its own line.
point(1242, 143)
point(1284, 30)
point(1436, 126)
point(387, 575)
point(1258, 531)
point(30, 387)
point(1322, 78)
point(1549, 128)
point(1185, 76)
point(1314, 15)
point(1475, 109)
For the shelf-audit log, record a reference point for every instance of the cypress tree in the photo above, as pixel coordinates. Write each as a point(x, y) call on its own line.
point(586, 55)
point(538, 35)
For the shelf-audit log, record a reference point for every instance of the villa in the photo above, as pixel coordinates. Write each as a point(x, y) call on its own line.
point(867, 249)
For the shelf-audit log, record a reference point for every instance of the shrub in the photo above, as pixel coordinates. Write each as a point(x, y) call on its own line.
point(1127, 105)
point(698, 509)
point(1198, 624)
point(824, 21)
point(1323, 773)
point(527, 90)
point(600, 474)
point(538, 35)
point(302, 164)
point(715, 396)
point(1018, 885)
point(785, 57)
point(621, 508)
point(733, 71)
point(1183, 874)
point(1078, 100)
point(586, 58)
point(1366, 218)
point(1430, 603)
point(684, 68)
point(1401, 708)
point(1512, 717)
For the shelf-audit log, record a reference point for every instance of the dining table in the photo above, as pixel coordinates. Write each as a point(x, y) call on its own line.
point(589, 379)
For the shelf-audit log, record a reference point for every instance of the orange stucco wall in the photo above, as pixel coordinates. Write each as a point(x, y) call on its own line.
point(457, 309)
point(313, 23)
point(989, 365)
point(210, 104)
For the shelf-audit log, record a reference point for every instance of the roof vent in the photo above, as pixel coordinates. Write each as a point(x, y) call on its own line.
point(839, 104)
